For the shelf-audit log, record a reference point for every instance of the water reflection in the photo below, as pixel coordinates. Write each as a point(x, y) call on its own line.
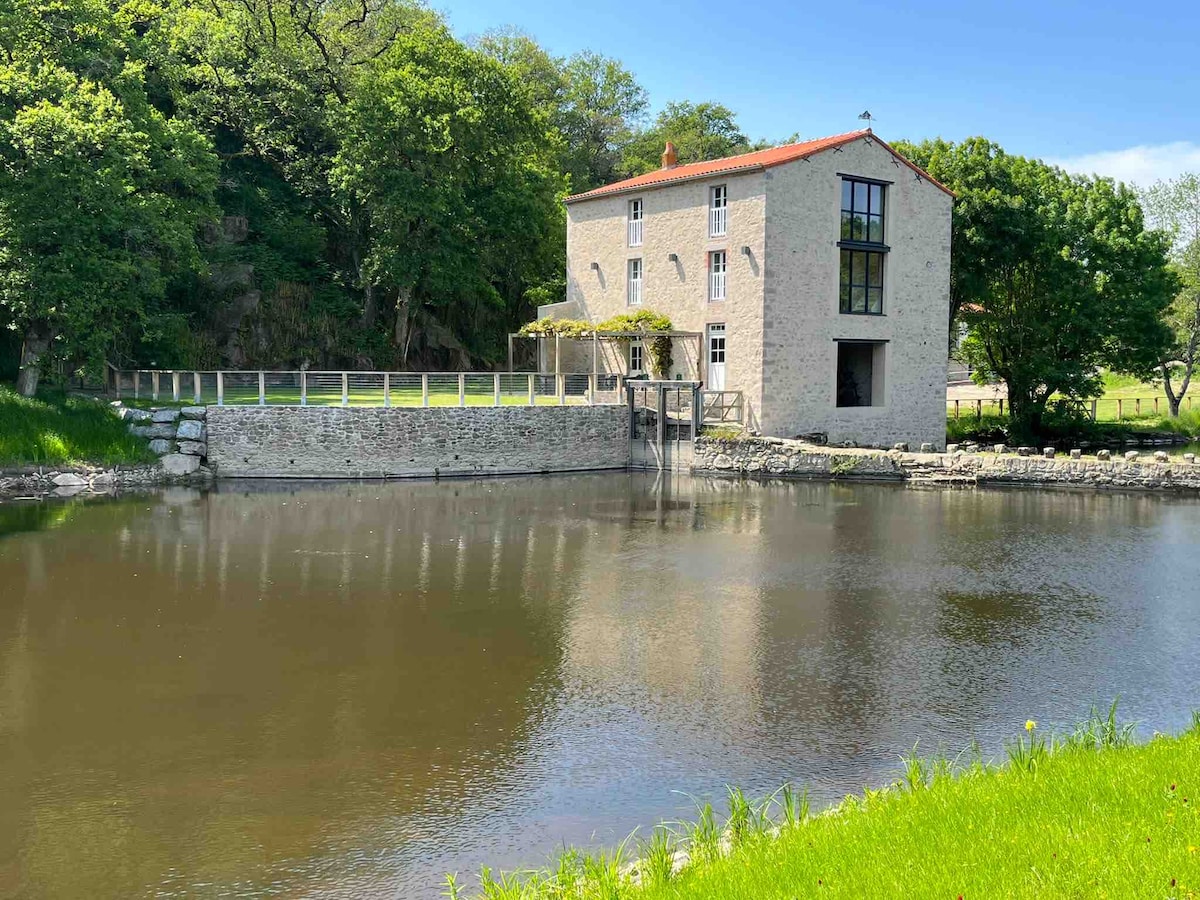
point(344, 690)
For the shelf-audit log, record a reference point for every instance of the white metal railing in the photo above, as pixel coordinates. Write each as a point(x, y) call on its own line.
point(716, 221)
point(635, 232)
point(716, 284)
point(346, 388)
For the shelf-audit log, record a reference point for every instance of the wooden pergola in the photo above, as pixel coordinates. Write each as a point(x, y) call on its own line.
point(611, 337)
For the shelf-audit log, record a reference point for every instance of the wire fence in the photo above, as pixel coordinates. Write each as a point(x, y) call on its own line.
point(1103, 409)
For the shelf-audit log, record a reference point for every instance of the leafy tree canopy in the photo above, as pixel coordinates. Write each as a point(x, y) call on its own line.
point(1056, 275)
point(101, 190)
point(699, 131)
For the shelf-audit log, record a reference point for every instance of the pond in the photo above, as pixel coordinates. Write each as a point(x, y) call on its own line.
point(346, 690)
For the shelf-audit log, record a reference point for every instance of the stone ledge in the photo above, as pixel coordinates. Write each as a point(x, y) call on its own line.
point(794, 459)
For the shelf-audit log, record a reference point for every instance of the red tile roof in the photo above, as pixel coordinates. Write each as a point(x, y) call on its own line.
point(759, 159)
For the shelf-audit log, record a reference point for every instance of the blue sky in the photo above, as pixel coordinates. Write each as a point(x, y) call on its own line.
point(1103, 86)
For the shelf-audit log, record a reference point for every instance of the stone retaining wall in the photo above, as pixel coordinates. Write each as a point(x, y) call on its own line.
point(375, 442)
point(773, 456)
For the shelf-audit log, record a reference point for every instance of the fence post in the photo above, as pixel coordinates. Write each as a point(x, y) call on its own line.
point(116, 373)
point(620, 387)
point(1156, 406)
point(196, 388)
point(592, 389)
point(1120, 409)
point(154, 385)
point(978, 410)
point(174, 387)
point(304, 387)
point(562, 389)
point(956, 409)
point(1137, 406)
point(1093, 410)
point(387, 389)
point(532, 389)
point(345, 389)
point(496, 389)
point(220, 388)
point(462, 388)
point(424, 388)
point(137, 384)
point(262, 388)
point(1001, 406)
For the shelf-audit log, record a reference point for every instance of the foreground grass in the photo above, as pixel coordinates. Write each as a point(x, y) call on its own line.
point(53, 429)
point(1092, 815)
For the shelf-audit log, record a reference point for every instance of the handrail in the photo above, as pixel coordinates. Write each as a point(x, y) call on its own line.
point(308, 387)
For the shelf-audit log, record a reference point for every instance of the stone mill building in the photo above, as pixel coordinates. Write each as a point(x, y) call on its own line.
point(817, 273)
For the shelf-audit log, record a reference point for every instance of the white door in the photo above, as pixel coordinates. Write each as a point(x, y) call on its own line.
point(637, 358)
point(716, 357)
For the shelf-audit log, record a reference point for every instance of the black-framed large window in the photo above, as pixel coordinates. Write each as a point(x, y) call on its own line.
point(862, 211)
point(861, 282)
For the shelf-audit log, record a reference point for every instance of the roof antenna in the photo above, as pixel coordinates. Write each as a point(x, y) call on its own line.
point(866, 116)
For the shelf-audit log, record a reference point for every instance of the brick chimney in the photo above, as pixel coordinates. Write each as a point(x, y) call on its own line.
point(670, 158)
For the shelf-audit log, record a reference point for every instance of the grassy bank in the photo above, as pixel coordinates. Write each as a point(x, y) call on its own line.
point(992, 428)
point(1088, 815)
point(53, 429)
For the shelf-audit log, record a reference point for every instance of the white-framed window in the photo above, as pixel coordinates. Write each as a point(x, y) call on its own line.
point(718, 264)
point(636, 214)
point(633, 294)
point(718, 208)
point(637, 358)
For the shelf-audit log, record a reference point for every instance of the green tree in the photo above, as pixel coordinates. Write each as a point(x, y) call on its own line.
point(101, 192)
point(1175, 206)
point(1056, 275)
point(699, 131)
point(457, 169)
point(602, 106)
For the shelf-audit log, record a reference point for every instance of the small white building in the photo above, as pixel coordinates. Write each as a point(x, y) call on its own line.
point(818, 273)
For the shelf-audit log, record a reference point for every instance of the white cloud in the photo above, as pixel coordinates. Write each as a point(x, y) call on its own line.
point(1141, 165)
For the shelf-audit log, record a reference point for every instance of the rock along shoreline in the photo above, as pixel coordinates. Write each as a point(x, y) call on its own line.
point(766, 457)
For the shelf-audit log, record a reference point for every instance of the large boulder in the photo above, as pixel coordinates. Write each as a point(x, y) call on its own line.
point(194, 412)
point(193, 448)
point(191, 430)
point(165, 415)
point(69, 479)
point(180, 464)
point(164, 430)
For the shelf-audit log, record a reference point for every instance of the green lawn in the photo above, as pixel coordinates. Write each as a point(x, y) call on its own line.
point(54, 429)
point(1093, 817)
point(1124, 399)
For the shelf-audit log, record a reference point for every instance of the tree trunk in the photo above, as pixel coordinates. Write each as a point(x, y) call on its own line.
point(1026, 410)
point(402, 335)
point(1175, 397)
point(37, 342)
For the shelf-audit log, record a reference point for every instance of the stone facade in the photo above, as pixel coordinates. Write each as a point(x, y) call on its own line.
point(795, 459)
point(364, 442)
point(802, 321)
point(781, 309)
point(676, 222)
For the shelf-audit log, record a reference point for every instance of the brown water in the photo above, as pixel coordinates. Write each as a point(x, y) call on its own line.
point(347, 690)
